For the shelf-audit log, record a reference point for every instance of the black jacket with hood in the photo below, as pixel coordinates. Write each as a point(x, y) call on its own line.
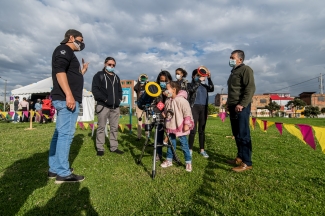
point(192, 90)
point(107, 89)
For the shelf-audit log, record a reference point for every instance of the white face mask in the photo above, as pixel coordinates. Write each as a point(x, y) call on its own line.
point(178, 77)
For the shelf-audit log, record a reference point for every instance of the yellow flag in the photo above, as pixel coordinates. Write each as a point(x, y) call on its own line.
point(46, 116)
point(4, 114)
point(76, 124)
point(251, 123)
point(32, 113)
point(294, 131)
point(320, 136)
point(121, 126)
point(260, 123)
point(86, 125)
point(270, 124)
point(214, 115)
point(37, 114)
point(19, 113)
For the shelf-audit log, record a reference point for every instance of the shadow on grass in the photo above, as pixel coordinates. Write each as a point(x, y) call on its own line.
point(68, 200)
point(27, 175)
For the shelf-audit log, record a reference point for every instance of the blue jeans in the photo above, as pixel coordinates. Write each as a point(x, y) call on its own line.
point(15, 117)
point(240, 130)
point(185, 148)
point(62, 138)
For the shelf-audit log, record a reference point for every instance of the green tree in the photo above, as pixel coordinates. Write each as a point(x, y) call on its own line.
point(322, 110)
point(311, 111)
point(272, 106)
point(212, 109)
point(297, 104)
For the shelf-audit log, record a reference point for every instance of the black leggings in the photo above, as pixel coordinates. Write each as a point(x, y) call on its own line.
point(199, 113)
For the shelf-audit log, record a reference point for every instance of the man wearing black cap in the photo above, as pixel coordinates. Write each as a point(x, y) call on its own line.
point(66, 94)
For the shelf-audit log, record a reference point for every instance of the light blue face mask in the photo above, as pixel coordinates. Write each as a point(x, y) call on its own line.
point(196, 78)
point(109, 69)
point(163, 85)
point(232, 62)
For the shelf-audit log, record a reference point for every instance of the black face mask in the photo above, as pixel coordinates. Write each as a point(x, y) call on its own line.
point(80, 46)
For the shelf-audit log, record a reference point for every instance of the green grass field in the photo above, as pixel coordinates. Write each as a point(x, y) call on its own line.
point(287, 177)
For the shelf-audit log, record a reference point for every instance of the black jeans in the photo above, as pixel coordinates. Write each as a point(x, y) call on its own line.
point(199, 113)
point(241, 131)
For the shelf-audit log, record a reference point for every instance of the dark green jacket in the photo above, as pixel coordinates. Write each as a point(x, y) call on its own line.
point(241, 86)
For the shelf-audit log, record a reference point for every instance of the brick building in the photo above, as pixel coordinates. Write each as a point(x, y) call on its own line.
point(313, 99)
point(258, 105)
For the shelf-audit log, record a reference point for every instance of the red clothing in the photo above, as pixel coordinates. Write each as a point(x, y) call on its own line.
point(46, 104)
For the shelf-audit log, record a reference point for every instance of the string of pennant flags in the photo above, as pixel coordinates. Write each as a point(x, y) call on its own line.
point(304, 132)
point(25, 113)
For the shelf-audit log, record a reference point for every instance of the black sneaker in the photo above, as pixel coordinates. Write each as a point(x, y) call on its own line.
point(70, 178)
point(51, 175)
point(118, 151)
point(100, 153)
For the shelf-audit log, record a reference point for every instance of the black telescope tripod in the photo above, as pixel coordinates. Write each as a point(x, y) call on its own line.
point(148, 128)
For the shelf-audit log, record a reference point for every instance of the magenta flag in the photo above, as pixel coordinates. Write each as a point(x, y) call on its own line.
point(81, 125)
point(222, 116)
point(278, 125)
point(254, 122)
point(11, 113)
point(307, 134)
point(91, 125)
point(26, 113)
point(129, 126)
point(143, 125)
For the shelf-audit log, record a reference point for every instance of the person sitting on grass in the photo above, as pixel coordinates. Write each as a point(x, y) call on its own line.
point(178, 122)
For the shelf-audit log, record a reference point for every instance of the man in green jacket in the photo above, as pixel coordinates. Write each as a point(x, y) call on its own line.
point(241, 88)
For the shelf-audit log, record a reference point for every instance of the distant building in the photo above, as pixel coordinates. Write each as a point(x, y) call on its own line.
point(313, 99)
point(258, 105)
point(130, 84)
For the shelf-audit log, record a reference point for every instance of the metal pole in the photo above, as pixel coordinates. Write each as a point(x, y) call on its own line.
point(4, 104)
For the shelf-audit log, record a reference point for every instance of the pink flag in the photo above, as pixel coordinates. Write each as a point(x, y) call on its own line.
point(129, 126)
point(11, 113)
point(143, 125)
point(26, 113)
point(81, 125)
point(254, 122)
point(278, 125)
point(222, 116)
point(307, 134)
point(91, 125)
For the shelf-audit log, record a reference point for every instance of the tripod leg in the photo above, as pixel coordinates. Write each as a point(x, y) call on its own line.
point(154, 153)
point(143, 149)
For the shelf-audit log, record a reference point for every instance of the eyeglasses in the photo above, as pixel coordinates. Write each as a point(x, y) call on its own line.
point(111, 65)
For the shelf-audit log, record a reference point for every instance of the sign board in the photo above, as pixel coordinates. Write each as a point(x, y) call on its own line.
point(127, 101)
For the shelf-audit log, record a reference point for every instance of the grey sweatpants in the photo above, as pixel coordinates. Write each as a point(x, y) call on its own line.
point(113, 115)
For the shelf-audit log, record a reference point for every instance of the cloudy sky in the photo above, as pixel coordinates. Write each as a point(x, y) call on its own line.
point(284, 40)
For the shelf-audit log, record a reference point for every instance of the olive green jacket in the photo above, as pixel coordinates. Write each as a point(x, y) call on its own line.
point(241, 86)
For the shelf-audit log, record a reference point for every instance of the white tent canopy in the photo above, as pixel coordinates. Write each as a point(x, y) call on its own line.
point(87, 108)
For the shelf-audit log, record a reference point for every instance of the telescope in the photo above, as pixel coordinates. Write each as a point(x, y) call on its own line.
point(152, 90)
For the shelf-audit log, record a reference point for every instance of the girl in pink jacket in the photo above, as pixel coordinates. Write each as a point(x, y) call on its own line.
point(178, 122)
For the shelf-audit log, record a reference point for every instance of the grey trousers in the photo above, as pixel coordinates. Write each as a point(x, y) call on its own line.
point(113, 115)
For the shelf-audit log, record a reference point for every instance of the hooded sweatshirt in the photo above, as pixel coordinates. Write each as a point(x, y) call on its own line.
point(178, 112)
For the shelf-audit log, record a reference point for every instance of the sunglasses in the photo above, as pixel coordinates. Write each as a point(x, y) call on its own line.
point(111, 65)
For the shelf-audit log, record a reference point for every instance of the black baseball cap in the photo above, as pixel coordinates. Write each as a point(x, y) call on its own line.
point(71, 32)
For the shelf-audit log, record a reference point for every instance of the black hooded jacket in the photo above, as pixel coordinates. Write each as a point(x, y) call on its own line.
point(192, 89)
point(107, 89)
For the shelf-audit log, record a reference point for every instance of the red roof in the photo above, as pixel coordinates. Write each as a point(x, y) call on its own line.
point(277, 97)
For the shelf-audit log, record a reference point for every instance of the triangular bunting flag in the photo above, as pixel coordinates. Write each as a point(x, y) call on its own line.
point(294, 131)
point(76, 124)
point(307, 134)
point(254, 122)
point(129, 126)
point(38, 114)
point(86, 125)
point(91, 125)
point(25, 113)
point(19, 113)
point(46, 116)
point(251, 123)
point(278, 125)
point(81, 125)
point(260, 123)
point(121, 127)
point(143, 125)
point(222, 116)
point(31, 113)
point(11, 113)
point(320, 136)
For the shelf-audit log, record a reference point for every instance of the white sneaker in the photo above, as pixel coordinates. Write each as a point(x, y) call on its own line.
point(166, 164)
point(189, 167)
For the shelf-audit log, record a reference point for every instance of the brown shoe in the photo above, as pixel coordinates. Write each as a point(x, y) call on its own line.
point(236, 161)
point(242, 167)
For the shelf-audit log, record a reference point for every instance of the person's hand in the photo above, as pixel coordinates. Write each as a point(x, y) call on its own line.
point(209, 74)
point(186, 127)
point(71, 103)
point(239, 108)
point(163, 114)
point(84, 66)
